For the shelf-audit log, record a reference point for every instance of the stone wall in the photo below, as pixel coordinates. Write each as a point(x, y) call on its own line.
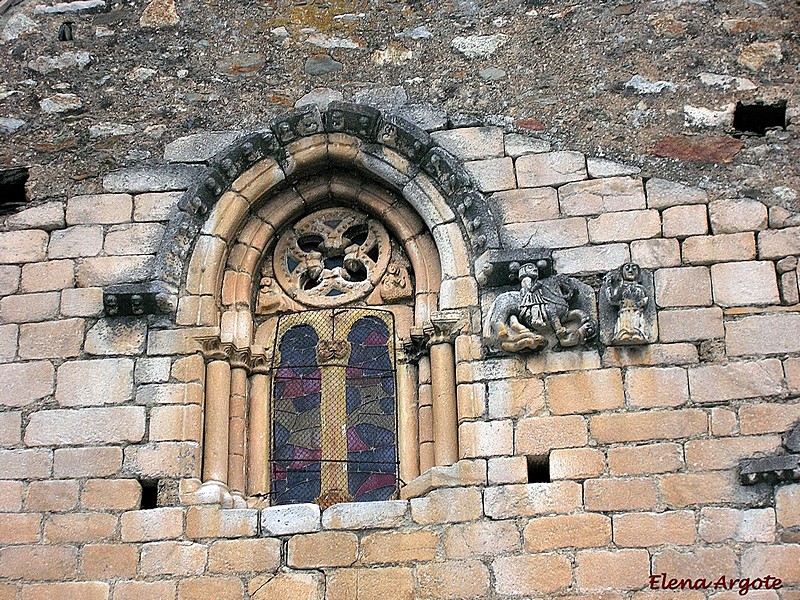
point(643, 445)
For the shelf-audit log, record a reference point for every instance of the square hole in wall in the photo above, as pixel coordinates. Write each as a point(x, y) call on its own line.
point(149, 493)
point(12, 189)
point(757, 118)
point(538, 469)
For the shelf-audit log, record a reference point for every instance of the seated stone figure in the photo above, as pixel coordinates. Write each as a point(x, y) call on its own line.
point(542, 313)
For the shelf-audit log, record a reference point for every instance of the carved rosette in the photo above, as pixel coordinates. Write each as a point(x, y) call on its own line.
point(332, 257)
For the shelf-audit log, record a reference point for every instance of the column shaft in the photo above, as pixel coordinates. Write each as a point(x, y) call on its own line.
point(217, 410)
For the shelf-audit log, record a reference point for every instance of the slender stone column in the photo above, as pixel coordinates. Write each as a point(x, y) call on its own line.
point(237, 420)
point(426, 454)
point(407, 416)
point(259, 427)
point(217, 411)
point(444, 326)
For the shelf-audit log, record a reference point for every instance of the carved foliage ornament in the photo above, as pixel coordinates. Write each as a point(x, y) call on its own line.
point(546, 311)
point(334, 256)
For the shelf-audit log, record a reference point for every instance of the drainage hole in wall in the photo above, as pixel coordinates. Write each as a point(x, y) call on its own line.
point(757, 118)
point(149, 493)
point(12, 189)
point(538, 469)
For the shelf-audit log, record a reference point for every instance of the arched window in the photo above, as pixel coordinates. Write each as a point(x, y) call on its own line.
point(334, 413)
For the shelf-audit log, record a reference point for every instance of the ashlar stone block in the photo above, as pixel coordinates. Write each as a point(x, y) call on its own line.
point(763, 334)
point(471, 143)
point(683, 286)
point(624, 226)
point(550, 168)
point(745, 283)
point(493, 174)
point(663, 194)
point(708, 249)
point(24, 383)
point(736, 381)
point(527, 205)
point(54, 339)
point(99, 209)
point(365, 515)
point(23, 246)
point(598, 196)
point(733, 216)
point(95, 382)
point(85, 426)
point(290, 519)
point(685, 220)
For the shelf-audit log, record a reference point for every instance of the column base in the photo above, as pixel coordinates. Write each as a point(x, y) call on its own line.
point(213, 492)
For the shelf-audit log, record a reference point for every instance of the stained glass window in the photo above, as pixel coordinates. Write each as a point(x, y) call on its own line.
point(335, 425)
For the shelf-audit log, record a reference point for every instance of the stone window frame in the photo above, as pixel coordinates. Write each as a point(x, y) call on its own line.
point(206, 271)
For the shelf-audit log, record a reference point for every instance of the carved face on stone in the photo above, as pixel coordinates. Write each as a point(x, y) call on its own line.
point(630, 272)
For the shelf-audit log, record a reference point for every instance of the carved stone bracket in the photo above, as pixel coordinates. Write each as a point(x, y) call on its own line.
point(627, 307)
point(414, 347)
point(774, 469)
point(130, 300)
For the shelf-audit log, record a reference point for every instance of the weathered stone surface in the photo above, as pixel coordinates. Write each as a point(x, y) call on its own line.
point(606, 495)
point(39, 563)
point(8, 342)
point(701, 250)
point(727, 453)
point(493, 174)
point(95, 382)
point(691, 324)
point(159, 13)
point(116, 336)
point(85, 426)
point(584, 391)
point(663, 194)
point(155, 206)
point(25, 464)
point(56, 339)
point(479, 46)
point(102, 271)
point(733, 216)
point(656, 253)
point(532, 575)
point(46, 216)
point(82, 302)
point(533, 499)
point(454, 579)
point(327, 549)
point(302, 586)
point(596, 259)
point(778, 244)
point(515, 397)
point(576, 463)
point(527, 205)
point(61, 103)
point(567, 531)
point(23, 383)
point(644, 426)
point(199, 147)
point(51, 275)
point(447, 506)
point(172, 558)
point(111, 494)
point(538, 435)
point(77, 241)
point(137, 590)
point(23, 246)
point(24, 308)
point(290, 519)
point(754, 56)
point(601, 196)
point(399, 547)
point(471, 143)
point(134, 238)
point(365, 515)
point(551, 168)
point(787, 507)
point(712, 148)
point(75, 6)
point(620, 569)
point(624, 226)
point(10, 428)
point(745, 283)
point(519, 144)
point(320, 64)
point(685, 220)
point(87, 462)
point(644, 460)
point(683, 286)
point(763, 334)
point(151, 525)
point(753, 525)
point(649, 387)
point(52, 496)
point(602, 167)
point(486, 438)
point(9, 279)
point(720, 383)
point(151, 179)
point(556, 233)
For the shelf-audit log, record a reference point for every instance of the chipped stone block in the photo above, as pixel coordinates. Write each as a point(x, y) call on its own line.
point(598, 196)
point(492, 175)
point(471, 143)
point(624, 226)
point(745, 283)
point(663, 194)
point(290, 519)
point(733, 216)
point(527, 205)
point(550, 168)
point(47, 217)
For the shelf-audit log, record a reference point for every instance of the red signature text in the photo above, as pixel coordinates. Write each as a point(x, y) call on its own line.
point(661, 581)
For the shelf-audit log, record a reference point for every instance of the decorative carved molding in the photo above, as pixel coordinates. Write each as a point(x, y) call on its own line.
point(774, 469)
point(444, 326)
point(332, 257)
point(253, 360)
point(390, 131)
point(627, 307)
point(546, 311)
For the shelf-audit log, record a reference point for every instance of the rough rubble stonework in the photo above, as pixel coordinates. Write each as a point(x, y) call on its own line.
point(128, 290)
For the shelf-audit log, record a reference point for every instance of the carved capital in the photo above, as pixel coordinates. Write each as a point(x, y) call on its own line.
point(261, 361)
point(213, 348)
point(240, 358)
point(444, 326)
